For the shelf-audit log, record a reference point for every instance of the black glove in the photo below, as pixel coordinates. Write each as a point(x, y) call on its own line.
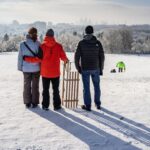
point(101, 73)
point(24, 57)
point(79, 70)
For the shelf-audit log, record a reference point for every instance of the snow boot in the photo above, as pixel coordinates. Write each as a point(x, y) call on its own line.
point(34, 105)
point(57, 107)
point(28, 105)
point(84, 107)
point(45, 108)
point(98, 107)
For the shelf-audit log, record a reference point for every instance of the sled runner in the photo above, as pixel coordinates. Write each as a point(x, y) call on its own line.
point(70, 86)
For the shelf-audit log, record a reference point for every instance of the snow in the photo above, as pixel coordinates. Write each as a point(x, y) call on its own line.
point(123, 123)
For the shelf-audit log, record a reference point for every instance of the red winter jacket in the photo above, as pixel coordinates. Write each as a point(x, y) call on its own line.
point(52, 54)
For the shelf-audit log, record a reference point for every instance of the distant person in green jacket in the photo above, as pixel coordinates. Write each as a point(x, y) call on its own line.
point(121, 66)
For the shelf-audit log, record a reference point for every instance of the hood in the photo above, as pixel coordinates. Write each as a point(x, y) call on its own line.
point(28, 36)
point(29, 39)
point(49, 41)
point(89, 38)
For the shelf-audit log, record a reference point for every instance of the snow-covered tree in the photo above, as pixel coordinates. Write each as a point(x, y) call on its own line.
point(137, 47)
point(10, 44)
point(112, 41)
point(116, 40)
point(127, 39)
point(69, 41)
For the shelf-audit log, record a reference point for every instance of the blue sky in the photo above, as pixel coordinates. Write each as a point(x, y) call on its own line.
point(75, 11)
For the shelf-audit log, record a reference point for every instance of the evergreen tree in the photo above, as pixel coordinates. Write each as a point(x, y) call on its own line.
point(6, 37)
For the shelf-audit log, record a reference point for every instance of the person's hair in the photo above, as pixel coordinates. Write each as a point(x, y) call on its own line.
point(89, 30)
point(32, 30)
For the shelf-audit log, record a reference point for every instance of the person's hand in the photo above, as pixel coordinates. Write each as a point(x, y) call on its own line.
point(101, 73)
point(79, 70)
point(67, 61)
point(24, 57)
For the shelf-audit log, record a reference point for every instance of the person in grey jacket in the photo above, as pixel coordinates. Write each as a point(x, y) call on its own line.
point(31, 71)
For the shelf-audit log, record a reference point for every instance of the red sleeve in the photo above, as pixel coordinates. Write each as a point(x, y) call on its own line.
point(63, 56)
point(32, 59)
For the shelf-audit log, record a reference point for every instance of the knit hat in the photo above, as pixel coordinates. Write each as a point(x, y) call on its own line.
point(50, 32)
point(32, 30)
point(89, 30)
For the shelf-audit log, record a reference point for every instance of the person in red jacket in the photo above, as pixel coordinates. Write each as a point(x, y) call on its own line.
point(50, 68)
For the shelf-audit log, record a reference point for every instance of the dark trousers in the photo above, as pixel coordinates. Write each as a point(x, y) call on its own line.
point(120, 70)
point(46, 95)
point(31, 88)
point(94, 74)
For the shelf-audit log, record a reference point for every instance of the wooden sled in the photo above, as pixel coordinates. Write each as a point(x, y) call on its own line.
point(70, 87)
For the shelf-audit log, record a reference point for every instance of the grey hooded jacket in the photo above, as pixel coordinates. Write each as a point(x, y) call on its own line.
point(23, 51)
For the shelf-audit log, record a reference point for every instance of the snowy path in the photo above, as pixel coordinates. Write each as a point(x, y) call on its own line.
point(123, 124)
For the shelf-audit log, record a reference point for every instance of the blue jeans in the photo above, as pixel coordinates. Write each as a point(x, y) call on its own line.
point(86, 85)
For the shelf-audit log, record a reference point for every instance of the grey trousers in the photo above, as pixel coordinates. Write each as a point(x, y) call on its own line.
point(31, 88)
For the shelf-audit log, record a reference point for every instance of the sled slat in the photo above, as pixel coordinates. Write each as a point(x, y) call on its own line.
point(63, 84)
point(77, 90)
point(72, 76)
point(67, 85)
point(70, 87)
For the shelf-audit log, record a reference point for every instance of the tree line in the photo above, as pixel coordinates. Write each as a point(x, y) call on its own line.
point(116, 41)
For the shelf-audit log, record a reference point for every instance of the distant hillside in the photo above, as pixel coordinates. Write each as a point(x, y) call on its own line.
point(115, 38)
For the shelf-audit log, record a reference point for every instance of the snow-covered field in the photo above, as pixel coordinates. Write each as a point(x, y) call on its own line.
point(123, 123)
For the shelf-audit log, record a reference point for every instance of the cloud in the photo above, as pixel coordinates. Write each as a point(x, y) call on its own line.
point(73, 10)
